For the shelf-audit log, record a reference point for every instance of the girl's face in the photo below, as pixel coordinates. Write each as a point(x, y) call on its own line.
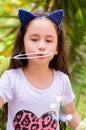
point(40, 37)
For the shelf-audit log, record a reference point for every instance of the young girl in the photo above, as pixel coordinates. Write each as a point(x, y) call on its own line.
point(36, 87)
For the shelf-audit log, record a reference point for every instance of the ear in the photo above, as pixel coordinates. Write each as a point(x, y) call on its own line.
point(25, 16)
point(56, 16)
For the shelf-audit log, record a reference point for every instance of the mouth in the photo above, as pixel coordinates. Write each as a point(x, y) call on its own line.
point(44, 54)
point(33, 55)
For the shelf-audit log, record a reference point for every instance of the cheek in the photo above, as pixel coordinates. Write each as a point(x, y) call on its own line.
point(55, 49)
point(29, 48)
point(27, 45)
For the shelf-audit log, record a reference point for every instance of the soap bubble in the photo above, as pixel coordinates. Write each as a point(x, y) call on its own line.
point(53, 105)
point(69, 117)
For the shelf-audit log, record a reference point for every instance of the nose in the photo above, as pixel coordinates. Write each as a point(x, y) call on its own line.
point(42, 45)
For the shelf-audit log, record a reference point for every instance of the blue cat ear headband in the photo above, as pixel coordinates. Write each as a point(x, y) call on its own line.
point(56, 16)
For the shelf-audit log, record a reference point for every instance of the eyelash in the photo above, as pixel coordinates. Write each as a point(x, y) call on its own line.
point(49, 40)
point(33, 39)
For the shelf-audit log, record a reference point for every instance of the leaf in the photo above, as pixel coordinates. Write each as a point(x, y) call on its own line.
point(79, 17)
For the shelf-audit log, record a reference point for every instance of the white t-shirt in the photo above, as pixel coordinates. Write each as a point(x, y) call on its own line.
point(30, 108)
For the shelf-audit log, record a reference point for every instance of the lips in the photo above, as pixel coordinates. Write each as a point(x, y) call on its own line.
point(40, 54)
point(44, 53)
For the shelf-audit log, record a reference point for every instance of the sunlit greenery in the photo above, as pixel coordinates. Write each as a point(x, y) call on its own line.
point(74, 24)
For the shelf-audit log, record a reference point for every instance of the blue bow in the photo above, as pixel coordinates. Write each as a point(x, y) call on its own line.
point(56, 16)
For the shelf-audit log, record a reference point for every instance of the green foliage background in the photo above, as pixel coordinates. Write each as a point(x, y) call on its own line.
point(75, 26)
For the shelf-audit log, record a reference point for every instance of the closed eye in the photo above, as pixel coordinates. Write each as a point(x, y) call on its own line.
point(49, 41)
point(34, 39)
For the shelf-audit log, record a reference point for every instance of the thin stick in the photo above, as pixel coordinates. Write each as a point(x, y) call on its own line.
point(32, 55)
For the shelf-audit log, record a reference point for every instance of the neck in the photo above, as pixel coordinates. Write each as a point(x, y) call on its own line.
point(39, 69)
point(37, 75)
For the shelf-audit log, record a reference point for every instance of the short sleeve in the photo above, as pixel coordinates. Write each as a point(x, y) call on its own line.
point(6, 87)
point(68, 93)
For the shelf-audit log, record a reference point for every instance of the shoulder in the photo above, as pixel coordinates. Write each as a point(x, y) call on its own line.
point(61, 75)
point(13, 71)
point(11, 74)
point(65, 86)
point(62, 79)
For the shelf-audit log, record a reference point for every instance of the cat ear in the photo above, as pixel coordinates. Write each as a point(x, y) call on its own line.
point(57, 17)
point(25, 16)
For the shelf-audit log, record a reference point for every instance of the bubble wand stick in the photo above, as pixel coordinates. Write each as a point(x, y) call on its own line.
point(26, 56)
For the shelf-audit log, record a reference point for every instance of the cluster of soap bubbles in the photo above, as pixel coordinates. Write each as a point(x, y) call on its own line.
point(63, 118)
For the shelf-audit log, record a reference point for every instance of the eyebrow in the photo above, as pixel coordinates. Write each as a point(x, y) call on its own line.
point(51, 36)
point(34, 34)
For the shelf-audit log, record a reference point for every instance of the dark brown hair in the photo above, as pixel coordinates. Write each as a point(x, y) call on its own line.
point(59, 62)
